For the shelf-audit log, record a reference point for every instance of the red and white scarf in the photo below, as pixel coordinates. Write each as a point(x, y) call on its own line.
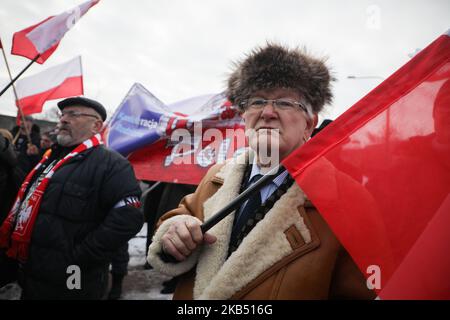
point(15, 232)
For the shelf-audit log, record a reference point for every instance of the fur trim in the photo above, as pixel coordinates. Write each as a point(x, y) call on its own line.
point(275, 66)
point(175, 269)
point(153, 258)
point(265, 245)
point(218, 277)
point(213, 256)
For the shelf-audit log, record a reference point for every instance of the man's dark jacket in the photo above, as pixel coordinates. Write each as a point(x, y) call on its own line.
point(11, 177)
point(82, 221)
point(27, 162)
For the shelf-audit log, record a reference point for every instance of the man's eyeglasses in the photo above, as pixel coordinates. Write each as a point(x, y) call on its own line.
point(281, 104)
point(76, 114)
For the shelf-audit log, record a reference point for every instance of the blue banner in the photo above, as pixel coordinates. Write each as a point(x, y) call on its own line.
point(139, 120)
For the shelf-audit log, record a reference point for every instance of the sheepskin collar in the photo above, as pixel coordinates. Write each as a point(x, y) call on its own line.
point(220, 278)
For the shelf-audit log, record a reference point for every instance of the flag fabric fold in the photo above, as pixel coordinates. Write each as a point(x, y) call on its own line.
point(175, 143)
point(380, 176)
point(61, 81)
point(43, 38)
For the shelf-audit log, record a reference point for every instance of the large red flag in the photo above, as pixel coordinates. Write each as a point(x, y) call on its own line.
point(380, 176)
point(61, 81)
point(175, 143)
point(43, 38)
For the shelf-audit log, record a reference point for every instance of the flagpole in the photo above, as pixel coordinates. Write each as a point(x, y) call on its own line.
point(21, 72)
point(154, 186)
point(241, 198)
point(232, 206)
point(27, 132)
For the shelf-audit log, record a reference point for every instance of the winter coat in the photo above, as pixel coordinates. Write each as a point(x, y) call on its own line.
point(82, 221)
point(11, 177)
point(290, 254)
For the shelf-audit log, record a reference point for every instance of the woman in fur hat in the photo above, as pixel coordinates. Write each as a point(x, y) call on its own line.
point(276, 246)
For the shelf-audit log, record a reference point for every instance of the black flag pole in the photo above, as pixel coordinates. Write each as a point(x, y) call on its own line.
point(27, 132)
point(233, 205)
point(154, 186)
point(17, 77)
point(241, 198)
point(146, 193)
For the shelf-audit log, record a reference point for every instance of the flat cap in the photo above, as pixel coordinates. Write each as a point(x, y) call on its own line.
point(85, 102)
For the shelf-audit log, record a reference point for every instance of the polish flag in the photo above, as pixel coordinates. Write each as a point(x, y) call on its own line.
point(61, 81)
point(43, 38)
point(380, 177)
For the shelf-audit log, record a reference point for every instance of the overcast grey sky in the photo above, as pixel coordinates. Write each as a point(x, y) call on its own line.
point(183, 48)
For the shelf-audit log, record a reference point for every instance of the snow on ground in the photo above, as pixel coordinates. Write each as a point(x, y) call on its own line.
point(139, 284)
point(136, 248)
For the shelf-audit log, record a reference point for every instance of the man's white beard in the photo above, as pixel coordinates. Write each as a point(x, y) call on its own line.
point(64, 140)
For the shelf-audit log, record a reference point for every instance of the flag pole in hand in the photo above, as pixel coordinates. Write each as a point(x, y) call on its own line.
point(14, 88)
point(241, 198)
point(21, 72)
point(233, 205)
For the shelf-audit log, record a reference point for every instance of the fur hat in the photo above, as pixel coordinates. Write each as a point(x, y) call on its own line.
point(275, 66)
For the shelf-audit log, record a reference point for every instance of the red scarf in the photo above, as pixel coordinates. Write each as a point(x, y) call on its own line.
point(15, 232)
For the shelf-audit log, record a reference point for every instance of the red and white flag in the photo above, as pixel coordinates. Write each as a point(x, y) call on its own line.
point(43, 38)
point(380, 176)
point(64, 80)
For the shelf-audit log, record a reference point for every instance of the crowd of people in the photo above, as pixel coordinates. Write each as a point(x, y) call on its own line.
point(70, 205)
point(276, 245)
